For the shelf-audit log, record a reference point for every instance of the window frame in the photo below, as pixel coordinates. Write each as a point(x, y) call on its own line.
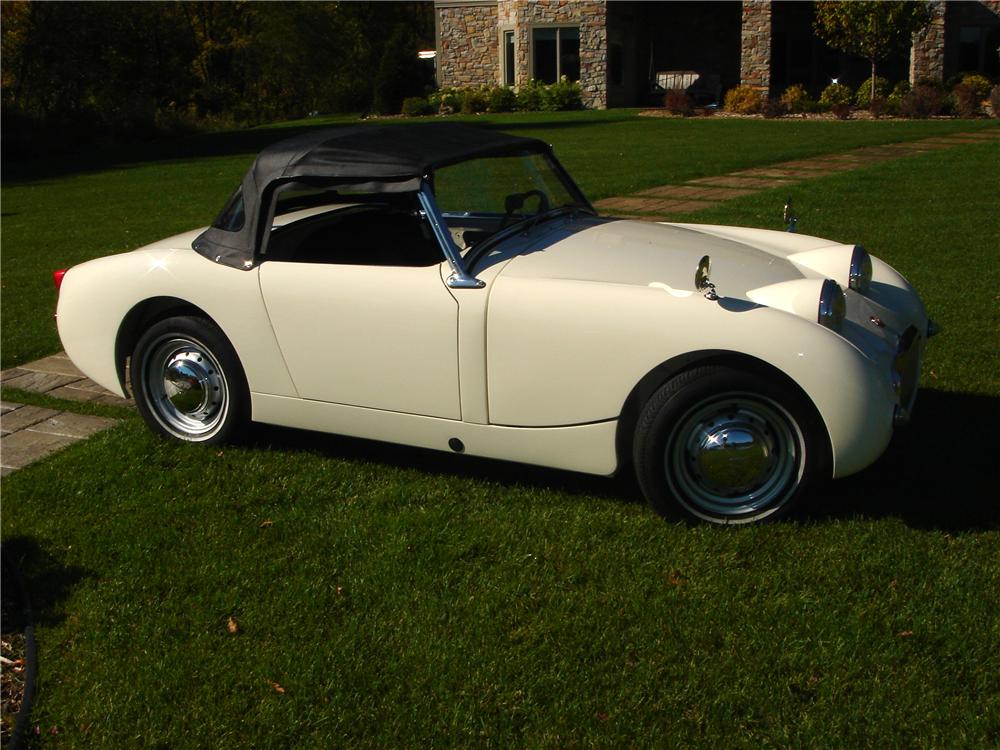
point(558, 28)
point(508, 73)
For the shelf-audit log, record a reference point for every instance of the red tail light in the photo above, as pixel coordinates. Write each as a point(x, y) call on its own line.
point(57, 277)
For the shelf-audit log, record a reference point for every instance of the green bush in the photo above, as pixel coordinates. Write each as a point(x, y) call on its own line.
point(474, 101)
point(863, 96)
point(966, 101)
point(531, 96)
point(446, 101)
point(894, 102)
point(979, 84)
point(502, 99)
point(744, 100)
point(796, 100)
point(834, 94)
point(925, 100)
point(417, 106)
point(562, 95)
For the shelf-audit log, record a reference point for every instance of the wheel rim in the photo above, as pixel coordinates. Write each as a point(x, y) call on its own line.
point(186, 387)
point(732, 456)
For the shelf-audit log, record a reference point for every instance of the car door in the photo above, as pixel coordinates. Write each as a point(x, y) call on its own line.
point(382, 337)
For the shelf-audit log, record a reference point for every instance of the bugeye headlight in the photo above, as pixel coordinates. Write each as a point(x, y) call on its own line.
point(860, 277)
point(832, 305)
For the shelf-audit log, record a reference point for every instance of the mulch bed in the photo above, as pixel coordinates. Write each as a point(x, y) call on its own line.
point(13, 653)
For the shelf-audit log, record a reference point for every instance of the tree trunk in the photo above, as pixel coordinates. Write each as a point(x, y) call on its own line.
point(871, 99)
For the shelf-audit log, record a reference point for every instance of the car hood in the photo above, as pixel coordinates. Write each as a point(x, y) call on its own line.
point(646, 253)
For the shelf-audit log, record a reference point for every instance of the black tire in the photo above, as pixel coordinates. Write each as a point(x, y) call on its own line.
point(727, 446)
point(188, 382)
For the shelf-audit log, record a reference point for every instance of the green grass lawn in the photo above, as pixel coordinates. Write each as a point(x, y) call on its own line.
point(392, 597)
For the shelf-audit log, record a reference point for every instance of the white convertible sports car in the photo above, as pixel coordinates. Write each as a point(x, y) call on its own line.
point(450, 287)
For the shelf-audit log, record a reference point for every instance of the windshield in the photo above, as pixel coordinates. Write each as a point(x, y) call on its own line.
point(513, 186)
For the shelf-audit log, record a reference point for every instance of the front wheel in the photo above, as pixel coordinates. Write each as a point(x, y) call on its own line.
point(726, 446)
point(188, 381)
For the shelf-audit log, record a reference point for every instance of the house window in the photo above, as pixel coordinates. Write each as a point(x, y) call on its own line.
point(977, 50)
point(508, 58)
point(556, 53)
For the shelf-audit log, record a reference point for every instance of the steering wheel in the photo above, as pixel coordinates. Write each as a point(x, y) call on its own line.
point(515, 201)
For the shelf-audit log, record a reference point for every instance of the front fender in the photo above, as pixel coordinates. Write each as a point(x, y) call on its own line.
point(569, 352)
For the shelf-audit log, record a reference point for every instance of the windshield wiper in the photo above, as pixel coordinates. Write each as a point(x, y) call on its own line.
point(524, 227)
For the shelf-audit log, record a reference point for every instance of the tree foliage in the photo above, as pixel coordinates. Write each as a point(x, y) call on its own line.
point(77, 71)
point(871, 29)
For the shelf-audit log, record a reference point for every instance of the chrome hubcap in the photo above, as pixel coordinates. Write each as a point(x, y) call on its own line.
point(734, 455)
point(187, 389)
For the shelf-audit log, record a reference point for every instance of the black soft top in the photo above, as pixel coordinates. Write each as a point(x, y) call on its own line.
point(363, 158)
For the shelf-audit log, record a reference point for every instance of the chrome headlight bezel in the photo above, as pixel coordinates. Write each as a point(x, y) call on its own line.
point(860, 274)
point(832, 306)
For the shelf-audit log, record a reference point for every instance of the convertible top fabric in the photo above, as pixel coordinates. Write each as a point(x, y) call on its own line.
point(365, 158)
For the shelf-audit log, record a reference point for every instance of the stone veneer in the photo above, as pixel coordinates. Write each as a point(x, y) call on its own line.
point(755, 55)
point(927, 53)
point(469, 41)
point(467, 44)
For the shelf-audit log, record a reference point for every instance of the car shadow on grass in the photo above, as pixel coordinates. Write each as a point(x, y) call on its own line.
point(939, 473)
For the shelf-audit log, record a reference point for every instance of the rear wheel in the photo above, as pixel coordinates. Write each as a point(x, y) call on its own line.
point(726, 446)
point(189, 383)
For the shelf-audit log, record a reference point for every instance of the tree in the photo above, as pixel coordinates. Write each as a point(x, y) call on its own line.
point(871, 29)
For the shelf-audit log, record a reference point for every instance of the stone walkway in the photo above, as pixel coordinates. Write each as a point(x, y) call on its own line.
point(30, 433)
point(660, 203)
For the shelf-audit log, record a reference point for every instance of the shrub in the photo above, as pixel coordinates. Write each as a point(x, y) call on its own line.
point(744, 100)
point(677, 102)
point(965, 101)
point(894, 102)
point(502, 99)
point(796, 99)
point(531, 96)
point(416, 106)
point(835, 93)
point(446, 101)
point(773, 108)
point(841, 110)
point(995, 100)
point(923, 101)
point(979, 84)
point(863, 96)
point(563, 94)
point(474, 101)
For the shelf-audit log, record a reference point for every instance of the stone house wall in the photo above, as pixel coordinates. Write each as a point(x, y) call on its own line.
point(467, 43)
point(470, 32)
point(755, 56)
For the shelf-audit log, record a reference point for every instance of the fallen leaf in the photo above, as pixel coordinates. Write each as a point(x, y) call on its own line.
point(904, 633)
point(602, 715)
point(277, 688)
point(219, 454)
point(675, 578)
point(340, 590)
point(232, 626)
point(934, 375)
point(266, 524)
